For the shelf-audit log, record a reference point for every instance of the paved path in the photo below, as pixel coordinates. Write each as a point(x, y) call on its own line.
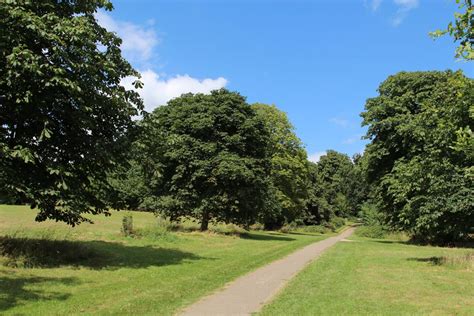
point(249, 293)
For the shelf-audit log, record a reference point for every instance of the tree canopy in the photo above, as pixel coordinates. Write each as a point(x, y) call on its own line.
point(420, 155)
point(289, 166)
point(64, 116)
point(207, 157)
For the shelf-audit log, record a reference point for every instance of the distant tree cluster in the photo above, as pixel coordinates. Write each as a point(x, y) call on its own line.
point(216, 158)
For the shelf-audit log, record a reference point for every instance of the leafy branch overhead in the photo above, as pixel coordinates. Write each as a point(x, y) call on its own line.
point(461, 30)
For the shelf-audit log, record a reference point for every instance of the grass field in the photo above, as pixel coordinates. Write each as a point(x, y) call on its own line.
point(381, 277)
point(127, 275)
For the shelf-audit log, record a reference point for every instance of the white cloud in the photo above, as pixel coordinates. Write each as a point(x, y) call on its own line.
point(339, 121)
point(316, 156)
point(158, 91)
point(138, 41)
point(404, 6)
point(138, 45)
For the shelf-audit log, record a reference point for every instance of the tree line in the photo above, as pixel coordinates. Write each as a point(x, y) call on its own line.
point(69, 143)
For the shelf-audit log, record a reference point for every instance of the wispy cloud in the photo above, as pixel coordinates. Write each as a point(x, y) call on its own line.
point(339, 121)
point(158, 91)
point(404, 7)
point(316, 156)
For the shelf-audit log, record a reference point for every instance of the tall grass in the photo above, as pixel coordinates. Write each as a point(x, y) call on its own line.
point(43, 249)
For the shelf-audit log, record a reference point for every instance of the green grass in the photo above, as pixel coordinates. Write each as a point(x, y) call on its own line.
point(381, 277)
point(112, 274)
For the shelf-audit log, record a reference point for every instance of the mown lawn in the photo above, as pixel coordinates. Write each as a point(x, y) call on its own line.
point(141, 276)
point(380, 277)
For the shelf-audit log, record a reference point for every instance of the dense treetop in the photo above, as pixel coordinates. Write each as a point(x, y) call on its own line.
point(420, 155)
point(207, 157)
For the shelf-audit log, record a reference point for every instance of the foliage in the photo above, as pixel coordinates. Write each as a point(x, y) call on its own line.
point(371, 231)
point(420, 172)
point(127, 225)
point(462, 30)
point(332, 189)
point(289, 167)
point(64, 116)
point(207, 157)
point(128, 186)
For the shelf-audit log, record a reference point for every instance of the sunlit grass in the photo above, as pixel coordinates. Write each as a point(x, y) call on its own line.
point(381, 277)
point(155, 273)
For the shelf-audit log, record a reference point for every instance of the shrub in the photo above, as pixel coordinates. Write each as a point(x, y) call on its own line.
point(229, 229)
point(338, 222)
point(257, 226)
point(287, 228)
point(372, 231)
point(127, 225)
point(317, 229)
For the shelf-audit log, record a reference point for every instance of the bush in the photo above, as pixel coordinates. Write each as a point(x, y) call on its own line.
point(127, 225)
point(338, 222)
point(317, 229)
point(369, 215)
point(257, 226)
point(229, 229)
point(287, 228)
point(372, 231)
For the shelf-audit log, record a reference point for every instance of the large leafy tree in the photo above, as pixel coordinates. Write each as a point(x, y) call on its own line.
point(63, 113)
point(416, 158)
point(289, 167)
point(207, 157)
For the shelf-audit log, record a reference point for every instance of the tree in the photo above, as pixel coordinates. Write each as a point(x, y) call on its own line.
point(462, 31)
point(128, 186)
point(415, 159)
point(334, 170)
point(317, 209)
point(64, 116)
point(330, 189)
point(289, 168)
point(207, 157)
point(359, 190)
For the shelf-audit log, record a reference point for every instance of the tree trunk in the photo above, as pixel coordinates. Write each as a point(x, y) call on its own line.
point(205, 221)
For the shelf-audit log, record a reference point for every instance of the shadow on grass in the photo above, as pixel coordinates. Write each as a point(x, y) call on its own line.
point(15, 291)
point(465, 260)
point(271, 236)
point(460, 244)
point(394, 242)
point(307, 234)
point(432, 260)
point(31, 252)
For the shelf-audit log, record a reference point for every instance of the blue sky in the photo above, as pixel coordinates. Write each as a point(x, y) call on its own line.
point(316, 60)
